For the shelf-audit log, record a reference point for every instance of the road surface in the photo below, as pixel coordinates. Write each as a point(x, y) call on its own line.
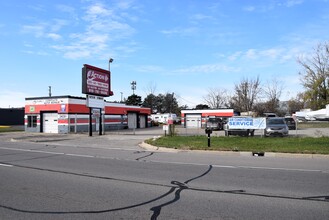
point(99, 178)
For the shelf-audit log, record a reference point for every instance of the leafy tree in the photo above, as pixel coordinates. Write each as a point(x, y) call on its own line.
point(159, 104)
point(162, 103)
point(315, 76)
point(150, 101)
point(169, 104)
point(202, 106)
point(134, 100)
point(183, 107)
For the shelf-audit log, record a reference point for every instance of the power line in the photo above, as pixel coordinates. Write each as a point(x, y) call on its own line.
point(186, 100)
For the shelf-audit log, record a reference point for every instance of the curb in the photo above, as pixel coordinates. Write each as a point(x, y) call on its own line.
point(38, 140)
point(160, 149)
point(232, 153)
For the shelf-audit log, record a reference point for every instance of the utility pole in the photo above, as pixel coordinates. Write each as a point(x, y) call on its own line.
point(49, 90)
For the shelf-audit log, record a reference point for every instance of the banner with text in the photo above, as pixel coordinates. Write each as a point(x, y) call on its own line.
point(246, 123)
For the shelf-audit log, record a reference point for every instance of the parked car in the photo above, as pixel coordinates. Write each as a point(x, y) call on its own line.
point(290, 121)
point(276, 126)
point(215, 123)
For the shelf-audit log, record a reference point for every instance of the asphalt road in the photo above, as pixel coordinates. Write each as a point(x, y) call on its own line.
point(111, 177)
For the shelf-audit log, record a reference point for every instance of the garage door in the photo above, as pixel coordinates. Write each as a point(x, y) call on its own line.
point(50, 123)
point(142, 121)
point(132, 120)
point(193, 121)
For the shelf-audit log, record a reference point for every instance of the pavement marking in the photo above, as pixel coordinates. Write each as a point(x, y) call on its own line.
point(284, 169)
point(168, 162)
point(6, 165)
point(30, 150)
point(45, 152)
point(79, 155)
point(242, 167)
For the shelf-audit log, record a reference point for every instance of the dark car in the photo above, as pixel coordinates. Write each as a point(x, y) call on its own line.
point(276, 126)
point(291, 123)
point(215, 123)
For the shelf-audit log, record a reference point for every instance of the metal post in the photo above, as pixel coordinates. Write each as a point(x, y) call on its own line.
point(100, 122)
point(135, 122)
point(75, 123)
point(90, 123)
point(103, 118)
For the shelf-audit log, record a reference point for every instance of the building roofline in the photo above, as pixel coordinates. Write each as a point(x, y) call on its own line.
point(54, 97)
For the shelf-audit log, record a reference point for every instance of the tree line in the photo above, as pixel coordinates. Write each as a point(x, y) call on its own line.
point(249, 95)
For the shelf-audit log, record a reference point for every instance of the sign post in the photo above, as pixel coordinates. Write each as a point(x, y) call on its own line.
point(96, 84)
point(208, 131)
point(90, 123)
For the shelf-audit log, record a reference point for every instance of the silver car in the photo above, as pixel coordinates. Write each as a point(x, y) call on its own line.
point(276, 127)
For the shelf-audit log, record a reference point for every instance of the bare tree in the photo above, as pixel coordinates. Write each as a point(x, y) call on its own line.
point(272, 91)
point(315, 76)
point(216, 98)
point(151, 88)
point(245, 94)
point(151, 99)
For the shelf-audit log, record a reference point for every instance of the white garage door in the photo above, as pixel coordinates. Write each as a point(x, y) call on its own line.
point(142, 121)
point(50, 123)
point(193, 121)
point(132, 120)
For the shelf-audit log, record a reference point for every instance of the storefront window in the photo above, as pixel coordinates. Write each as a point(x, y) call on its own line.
point(32, 121)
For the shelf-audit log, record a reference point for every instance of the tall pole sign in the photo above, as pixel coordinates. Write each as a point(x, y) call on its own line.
point(96, 84)
point(96, 81)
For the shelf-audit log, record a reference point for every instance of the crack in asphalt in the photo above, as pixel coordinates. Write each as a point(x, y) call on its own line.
point(148, 155)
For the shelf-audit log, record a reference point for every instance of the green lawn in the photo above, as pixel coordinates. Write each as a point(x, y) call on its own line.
point(304, 145)
point(4, 128)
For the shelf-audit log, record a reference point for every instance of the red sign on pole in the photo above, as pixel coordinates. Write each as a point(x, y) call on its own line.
point(96, 81)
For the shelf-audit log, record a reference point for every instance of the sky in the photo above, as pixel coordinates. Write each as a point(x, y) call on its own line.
point(185, 47)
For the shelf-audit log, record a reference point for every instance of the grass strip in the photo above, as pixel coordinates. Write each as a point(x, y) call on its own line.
point(302, 145)
point(4, 128)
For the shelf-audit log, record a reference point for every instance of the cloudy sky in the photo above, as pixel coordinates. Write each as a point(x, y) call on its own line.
point(183, 47)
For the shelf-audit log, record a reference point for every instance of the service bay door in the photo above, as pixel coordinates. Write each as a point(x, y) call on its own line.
point(50, 123)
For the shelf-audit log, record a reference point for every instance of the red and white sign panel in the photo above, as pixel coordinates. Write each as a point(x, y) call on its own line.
point(96, 81)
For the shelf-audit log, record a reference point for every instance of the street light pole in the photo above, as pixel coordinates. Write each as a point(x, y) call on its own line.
point(102, 117)
point(110, 61)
